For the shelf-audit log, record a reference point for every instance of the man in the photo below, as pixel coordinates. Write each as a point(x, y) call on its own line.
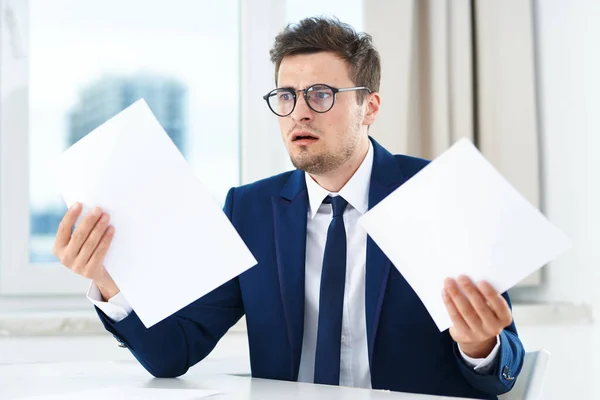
point(323, 304)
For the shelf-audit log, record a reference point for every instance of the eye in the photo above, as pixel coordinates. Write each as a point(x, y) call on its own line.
point(320, 93)
point(284, 96)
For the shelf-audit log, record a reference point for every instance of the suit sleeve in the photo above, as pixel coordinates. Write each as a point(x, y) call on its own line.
point(169, 348)
point(509, 362)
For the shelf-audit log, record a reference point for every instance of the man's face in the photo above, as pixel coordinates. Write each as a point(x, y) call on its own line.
point(335, 134)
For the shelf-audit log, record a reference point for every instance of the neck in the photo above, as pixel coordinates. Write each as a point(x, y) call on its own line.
point(336, 179)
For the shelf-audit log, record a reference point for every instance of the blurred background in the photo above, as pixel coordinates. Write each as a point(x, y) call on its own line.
point(517, 77)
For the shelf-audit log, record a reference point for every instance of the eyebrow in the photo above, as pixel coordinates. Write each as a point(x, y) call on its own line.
point(294, 89)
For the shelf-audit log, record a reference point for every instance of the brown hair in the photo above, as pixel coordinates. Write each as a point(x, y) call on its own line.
point(317, 34)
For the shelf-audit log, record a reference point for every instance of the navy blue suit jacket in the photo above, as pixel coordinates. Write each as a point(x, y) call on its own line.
point(406, 350)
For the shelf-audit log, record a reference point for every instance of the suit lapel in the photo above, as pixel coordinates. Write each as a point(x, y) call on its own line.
point(385, 178)
point(290, 210)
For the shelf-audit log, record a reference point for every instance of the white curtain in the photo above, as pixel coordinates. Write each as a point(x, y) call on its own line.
point(459, 68)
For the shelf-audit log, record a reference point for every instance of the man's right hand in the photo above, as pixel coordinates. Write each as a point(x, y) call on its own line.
point(83, 250)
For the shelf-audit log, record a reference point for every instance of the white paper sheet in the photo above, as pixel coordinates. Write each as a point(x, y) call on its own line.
point(460, 216)
point(126, 393)
point(173, 243)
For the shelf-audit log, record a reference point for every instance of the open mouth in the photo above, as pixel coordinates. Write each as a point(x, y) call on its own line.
point(304, 137)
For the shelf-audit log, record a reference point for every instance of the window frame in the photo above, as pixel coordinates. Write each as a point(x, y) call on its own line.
point(259, 22)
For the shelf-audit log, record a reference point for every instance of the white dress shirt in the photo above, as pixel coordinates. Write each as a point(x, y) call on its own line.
point(354, 359)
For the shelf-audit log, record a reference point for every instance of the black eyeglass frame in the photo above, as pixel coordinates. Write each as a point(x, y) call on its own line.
point(293, 92)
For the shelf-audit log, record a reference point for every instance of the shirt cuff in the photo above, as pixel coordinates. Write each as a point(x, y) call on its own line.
point(117, 308)
point(482, 365)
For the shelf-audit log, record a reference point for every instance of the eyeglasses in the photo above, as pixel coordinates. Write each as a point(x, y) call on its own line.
point(319, 97)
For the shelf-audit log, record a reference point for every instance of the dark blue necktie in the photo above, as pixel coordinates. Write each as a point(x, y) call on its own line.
point(331, 298)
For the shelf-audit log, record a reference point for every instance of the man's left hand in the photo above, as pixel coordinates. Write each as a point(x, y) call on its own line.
point(478, 314)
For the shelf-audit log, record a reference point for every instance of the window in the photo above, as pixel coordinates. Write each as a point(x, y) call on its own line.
point(68, 66)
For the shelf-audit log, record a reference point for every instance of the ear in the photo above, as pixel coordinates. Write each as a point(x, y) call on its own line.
point(373, 101)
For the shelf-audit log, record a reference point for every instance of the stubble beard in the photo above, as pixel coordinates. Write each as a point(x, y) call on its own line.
point(328, 160)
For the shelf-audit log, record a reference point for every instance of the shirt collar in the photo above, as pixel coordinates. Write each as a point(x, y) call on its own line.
point(355, 191)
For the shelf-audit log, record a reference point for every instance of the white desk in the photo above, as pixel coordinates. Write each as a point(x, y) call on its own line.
point(18, 381)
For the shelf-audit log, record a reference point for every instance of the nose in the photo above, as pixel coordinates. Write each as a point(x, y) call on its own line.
point(302, 112)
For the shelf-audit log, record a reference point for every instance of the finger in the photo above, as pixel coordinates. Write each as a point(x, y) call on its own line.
point(79, 236)
point(457, 319)
point(478, 302)
point(92, 241)
point(463, 305)
point(99, 253)
point(497, 303)
point(63, 234)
